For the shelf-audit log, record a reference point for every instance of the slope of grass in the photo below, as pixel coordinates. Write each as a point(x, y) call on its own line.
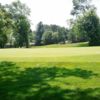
point(50, 74)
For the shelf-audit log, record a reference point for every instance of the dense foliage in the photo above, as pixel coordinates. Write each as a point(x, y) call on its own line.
point(15, 26)
point(85, 25)
point(88, 27)
point(50, 34)
point(5, 26)
point(39, 33)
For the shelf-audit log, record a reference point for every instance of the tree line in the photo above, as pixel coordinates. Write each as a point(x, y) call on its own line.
point(15, 26)
point(50, 34)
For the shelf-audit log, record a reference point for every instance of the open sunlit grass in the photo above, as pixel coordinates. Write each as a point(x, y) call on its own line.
point(82, 54)
point(50, 74)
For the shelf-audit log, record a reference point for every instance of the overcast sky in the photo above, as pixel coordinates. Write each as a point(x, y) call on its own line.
point(50, 11)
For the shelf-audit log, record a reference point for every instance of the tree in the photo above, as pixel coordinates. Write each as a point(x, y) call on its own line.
point(5, 26)
point(55, 37)
point(47, 28)
point(32, 36)
point(62, 34)
point(22, 36)
point(20, 13)
point(89, 25)
point(39, 33)
point(59, 33)
point(76, 34)
point(54, 28)
point(17, 8)
point(72, 36)
point(47, 38)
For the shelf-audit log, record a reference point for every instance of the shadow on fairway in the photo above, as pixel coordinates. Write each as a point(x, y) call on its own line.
point(33, 83)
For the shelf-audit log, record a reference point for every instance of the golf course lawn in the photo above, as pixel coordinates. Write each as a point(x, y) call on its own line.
point(83, 54)
point(71, 73)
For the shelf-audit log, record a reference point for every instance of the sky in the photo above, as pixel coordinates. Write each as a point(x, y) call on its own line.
point(50, 11)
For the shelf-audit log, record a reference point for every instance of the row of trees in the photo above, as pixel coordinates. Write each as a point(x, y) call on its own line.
point(84, 27)
point(50, 34)
point(15, 26)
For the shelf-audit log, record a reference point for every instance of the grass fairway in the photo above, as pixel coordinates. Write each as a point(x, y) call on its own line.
point(83, 54)
point(50, 73)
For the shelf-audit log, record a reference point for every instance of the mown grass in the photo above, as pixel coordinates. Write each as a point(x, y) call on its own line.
point(82, 54)
point(81, 44)
point(50, 74)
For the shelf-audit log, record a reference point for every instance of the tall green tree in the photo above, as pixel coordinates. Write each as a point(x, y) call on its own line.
point(89, 26)
point(22, 36)
point(76, 34)
point(39, 33)
point(80, 9)
point(5, 26)
point(18, 8)
point(20, 13)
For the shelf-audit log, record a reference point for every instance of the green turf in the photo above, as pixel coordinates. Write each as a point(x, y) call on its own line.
point(82, 54)
point(81, 44)
point(50, 74)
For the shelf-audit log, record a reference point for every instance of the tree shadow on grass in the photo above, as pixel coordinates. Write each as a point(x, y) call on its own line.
point(33, 83)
